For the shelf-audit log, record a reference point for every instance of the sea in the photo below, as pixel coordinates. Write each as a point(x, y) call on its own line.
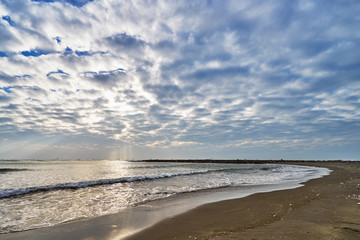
point(42, 193)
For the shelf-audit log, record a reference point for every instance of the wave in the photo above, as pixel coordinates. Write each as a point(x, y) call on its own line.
point(159, 166)
point(6, 170)
point(77, 185)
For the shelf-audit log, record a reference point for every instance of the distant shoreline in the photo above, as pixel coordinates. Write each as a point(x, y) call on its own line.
point(244, 161)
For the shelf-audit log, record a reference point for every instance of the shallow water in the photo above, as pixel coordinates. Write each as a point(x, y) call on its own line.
point(46, 193)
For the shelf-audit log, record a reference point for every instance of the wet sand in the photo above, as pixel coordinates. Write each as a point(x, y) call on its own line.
point(325, 208)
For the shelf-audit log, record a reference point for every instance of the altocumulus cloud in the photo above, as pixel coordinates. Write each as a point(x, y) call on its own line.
point(187, 79)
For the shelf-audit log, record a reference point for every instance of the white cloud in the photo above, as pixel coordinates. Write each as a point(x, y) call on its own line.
point(167, 74)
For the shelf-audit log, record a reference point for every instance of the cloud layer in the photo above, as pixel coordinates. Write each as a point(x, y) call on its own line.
point(188, 79)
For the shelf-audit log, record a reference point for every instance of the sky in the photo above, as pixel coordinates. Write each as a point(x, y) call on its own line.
point(144, 79)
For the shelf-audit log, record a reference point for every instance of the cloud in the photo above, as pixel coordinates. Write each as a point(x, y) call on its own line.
point(125, 45)
point(4, 98)
point(220, 78)
point(165, 93)
point(125, 42)
point(212, 74)
point(106, 78)
point(4, 120)
point(7, 78)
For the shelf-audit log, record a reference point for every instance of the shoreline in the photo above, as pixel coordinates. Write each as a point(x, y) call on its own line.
point(324, 208)
point(209, 221)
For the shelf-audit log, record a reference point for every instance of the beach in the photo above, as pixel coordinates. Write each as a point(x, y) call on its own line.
point(324, 208)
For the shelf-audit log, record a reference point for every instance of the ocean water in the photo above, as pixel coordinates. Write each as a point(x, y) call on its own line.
point(35, 194)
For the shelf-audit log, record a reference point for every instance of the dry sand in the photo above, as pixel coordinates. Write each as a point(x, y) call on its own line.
point(325, 208)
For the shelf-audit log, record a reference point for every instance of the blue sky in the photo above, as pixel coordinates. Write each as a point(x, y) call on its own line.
point(116, 79)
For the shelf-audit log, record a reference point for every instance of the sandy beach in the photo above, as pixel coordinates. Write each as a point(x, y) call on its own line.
point(325, 208)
